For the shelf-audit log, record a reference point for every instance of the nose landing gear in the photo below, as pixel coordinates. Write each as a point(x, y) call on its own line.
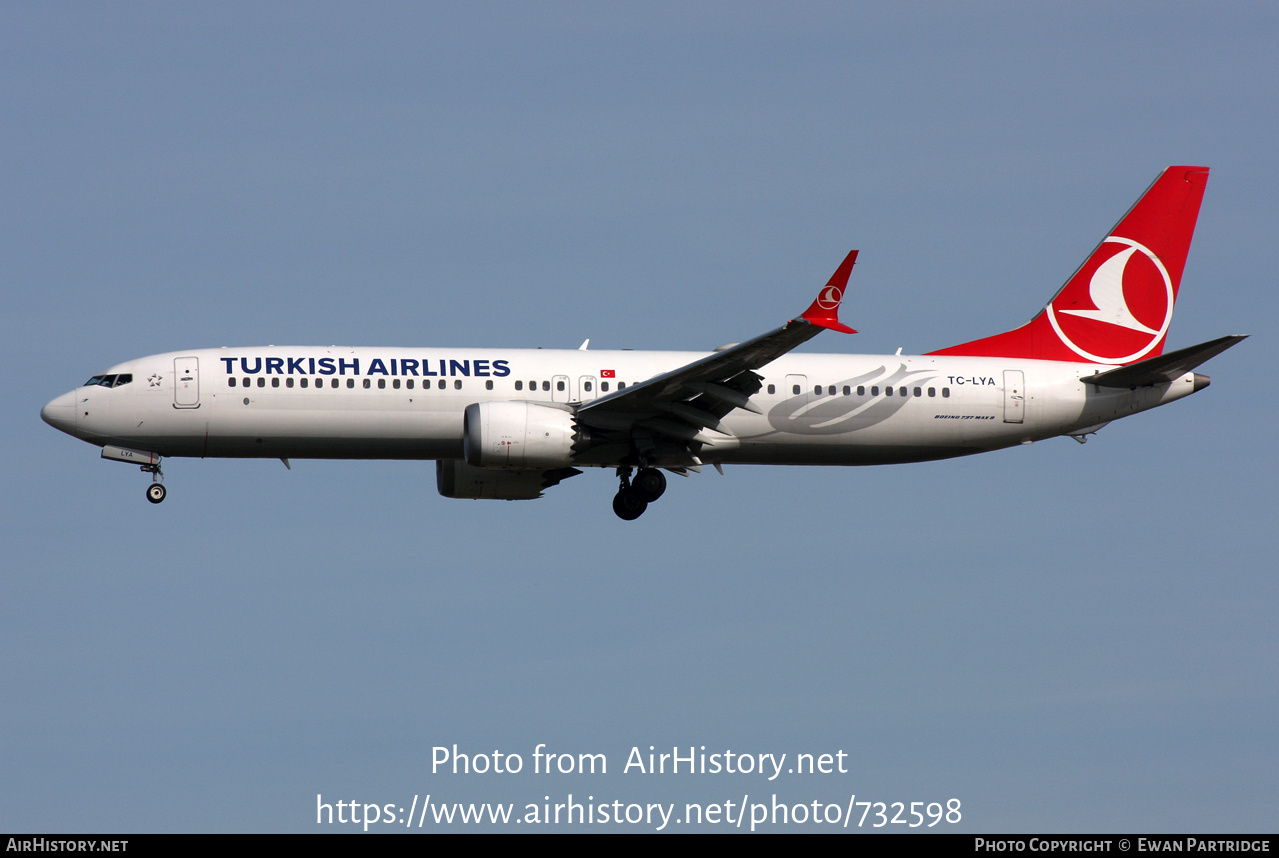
point(633, 497)
point(147, 461)
point(156, 492)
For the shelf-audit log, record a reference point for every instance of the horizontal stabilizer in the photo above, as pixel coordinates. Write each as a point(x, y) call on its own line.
point(1165, 368)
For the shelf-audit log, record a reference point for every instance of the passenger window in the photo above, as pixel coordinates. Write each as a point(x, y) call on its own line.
point(831, 390)
point(772, 389)
point(932, 391)
point(367, 383)
point(409, 384)
point(588, 387)
point(334, 384)
point(945, 393)
point(396, 384)
point(488, 385)
point(275, 382)
point(231, 381)
point(261, 382)
point(546, 385)
point(603, 387)
point(861, 390)
point(350, 383)
point(901, 391)
point(888, 391)
point(621, 385)
point(795, 389)
point(874, 391)
point(303, 382)
point(457, 384)
point(381, 384)
point(848, 391)
point(519, 385)
point(288, 382)
point(917, 391)
point(441, 384)
point(559, 385)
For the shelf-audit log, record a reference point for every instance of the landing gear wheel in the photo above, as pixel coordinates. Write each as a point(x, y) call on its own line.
point(156, 492)
point(650, 483)
point(629, 505)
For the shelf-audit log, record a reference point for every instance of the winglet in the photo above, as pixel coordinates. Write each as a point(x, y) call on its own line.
point(824, 312)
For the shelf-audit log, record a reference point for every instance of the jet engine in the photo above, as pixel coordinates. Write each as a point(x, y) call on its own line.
point(519, 435)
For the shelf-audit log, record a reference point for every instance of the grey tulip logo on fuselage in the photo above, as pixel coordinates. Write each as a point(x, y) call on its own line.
point(833, 414)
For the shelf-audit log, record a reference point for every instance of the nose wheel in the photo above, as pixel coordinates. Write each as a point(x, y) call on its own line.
point(156, 492)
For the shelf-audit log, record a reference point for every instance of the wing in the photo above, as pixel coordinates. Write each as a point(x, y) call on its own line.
point(668, 419)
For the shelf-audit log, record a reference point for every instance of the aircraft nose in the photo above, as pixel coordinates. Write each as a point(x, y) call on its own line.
point(60, 413)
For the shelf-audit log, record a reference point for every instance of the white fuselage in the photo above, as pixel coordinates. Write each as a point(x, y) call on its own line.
point(406, 403)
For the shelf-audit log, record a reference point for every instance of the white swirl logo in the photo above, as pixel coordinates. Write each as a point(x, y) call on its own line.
point(1106, 292)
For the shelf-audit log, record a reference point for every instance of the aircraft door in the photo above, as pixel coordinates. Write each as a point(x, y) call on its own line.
point(796, 385)
point(186, 382)
point(559, 389)
point(1014, 396)
point(587, 388)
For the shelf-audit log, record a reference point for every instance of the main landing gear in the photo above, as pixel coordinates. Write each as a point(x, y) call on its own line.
point(634, 496)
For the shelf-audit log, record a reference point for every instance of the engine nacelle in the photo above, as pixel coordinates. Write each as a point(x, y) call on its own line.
point(460, 480)
point(518, 435)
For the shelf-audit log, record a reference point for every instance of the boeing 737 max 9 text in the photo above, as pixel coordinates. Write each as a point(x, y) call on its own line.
point(510, 423)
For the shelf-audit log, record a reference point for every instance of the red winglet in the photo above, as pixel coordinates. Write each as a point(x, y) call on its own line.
point(824, 312)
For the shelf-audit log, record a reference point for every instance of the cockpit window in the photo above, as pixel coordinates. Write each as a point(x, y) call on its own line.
point(110, 380)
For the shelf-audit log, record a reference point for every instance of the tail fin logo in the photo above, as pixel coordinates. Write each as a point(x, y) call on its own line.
point(830, 297)
point(1117, 308)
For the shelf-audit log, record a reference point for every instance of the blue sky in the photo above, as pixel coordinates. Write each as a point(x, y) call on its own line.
point(1065, 638)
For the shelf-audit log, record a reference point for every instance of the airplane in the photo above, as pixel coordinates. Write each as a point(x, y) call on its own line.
point(510, 423)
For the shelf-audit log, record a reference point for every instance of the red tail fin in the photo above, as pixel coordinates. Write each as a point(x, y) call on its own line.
point(1117, 307)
